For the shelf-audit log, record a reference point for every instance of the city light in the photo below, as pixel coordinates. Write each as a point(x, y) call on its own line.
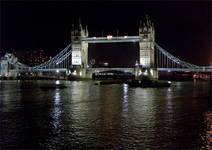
point(57, 71)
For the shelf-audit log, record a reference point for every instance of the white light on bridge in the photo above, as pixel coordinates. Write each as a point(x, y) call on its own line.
point(145, 72)
point(140, 72)
point(109, 37)
point(125, 37)
point(57, 71)
point(94, 37)
point(80, 73)
point(57, 82)
point(151, 72)
point(75, 72)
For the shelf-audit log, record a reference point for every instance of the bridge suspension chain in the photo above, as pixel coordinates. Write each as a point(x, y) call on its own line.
point(61, 60)
point(167, 60)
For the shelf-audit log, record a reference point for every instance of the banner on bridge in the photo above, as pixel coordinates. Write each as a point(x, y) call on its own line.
point(76, 58)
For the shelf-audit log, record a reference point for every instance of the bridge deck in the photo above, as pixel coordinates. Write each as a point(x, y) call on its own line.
point(111, 39)
point(203, 69)
point(131, 70)
point(55, 69)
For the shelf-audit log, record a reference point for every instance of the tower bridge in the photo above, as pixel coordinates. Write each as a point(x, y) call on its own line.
point(73, 59)
point(146, 38)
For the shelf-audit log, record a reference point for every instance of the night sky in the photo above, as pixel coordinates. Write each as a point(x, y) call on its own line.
point(182, 28)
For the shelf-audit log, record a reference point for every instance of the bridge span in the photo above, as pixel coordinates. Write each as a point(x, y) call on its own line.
point(111, 39)
point(201, 69)
point(152, 57)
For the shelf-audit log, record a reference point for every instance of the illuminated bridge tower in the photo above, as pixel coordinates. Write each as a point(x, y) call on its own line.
point(79, 47)
point(146, 44)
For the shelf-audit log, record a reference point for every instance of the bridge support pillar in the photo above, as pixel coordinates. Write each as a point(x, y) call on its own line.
point(152, 73)
point(82, 73)
point(137, 72)
point(146, 43)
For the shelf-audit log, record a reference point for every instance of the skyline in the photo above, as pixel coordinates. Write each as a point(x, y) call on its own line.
point(181, 27)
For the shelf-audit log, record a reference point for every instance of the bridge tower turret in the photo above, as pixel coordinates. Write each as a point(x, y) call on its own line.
point(79, 47)
point(146, 45)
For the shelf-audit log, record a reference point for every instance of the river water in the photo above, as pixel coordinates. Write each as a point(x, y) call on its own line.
point(88, 116)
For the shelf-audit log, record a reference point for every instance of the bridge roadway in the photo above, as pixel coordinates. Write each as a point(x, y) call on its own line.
point(96, 70)
point(132, 70)
point(201, 69)
point(51, 69)
point(111, 39)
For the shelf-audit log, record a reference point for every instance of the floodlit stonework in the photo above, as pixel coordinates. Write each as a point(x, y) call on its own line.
point(146, 44)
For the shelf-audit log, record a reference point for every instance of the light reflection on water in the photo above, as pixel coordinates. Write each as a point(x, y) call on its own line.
point(125, 99)
point(56, 110)
point(107, 116)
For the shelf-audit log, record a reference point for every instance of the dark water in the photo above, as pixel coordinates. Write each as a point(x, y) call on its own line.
point(88, 116)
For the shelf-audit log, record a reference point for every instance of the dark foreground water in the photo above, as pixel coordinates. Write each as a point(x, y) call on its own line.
point(88, 116)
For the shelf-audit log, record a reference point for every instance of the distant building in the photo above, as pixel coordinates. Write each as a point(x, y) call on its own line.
point(33, 58)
